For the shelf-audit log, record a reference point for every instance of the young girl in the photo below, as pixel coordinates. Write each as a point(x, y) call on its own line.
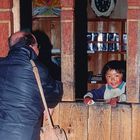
point(114, 74)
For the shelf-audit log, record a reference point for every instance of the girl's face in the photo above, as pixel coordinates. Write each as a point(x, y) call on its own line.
point(113, 78)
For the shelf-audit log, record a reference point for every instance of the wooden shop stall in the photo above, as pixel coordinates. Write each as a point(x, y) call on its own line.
point(72, 26)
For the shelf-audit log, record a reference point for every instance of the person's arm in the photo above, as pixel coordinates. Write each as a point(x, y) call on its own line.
point(88, 98)
point(94, 95)
point(53, 89)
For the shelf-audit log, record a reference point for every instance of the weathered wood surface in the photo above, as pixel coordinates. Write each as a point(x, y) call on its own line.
point(99, 121)
point(133, 53)
point(121, 123)
point(136, 122)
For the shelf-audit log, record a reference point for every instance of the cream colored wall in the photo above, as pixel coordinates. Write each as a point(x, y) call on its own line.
point(16, 15)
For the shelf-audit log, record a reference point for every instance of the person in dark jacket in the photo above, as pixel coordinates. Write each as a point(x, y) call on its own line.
point(114, 74)
point(45, 54)
point(21, 107)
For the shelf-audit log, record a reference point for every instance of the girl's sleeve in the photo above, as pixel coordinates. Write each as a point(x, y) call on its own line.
point(96, 94)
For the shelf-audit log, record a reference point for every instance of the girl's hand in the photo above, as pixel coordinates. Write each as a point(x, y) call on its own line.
point(88, 101)
point(113, 101)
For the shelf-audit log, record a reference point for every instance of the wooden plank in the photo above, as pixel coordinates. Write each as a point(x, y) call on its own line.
point(99, 122)
point(133, 55)
point(55, 115)
point(121, 123)
point(67, 49)
point(96, 62)
point(73, 118)
point(136, 122)
point(67, 76)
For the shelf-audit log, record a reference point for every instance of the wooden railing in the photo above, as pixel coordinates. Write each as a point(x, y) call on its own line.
point(99, 121)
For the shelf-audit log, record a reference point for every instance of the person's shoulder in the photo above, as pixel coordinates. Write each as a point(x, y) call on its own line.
point(102, 88)
point(98, 90)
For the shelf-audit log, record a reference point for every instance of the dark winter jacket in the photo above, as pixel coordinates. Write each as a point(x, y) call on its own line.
point(21, 107)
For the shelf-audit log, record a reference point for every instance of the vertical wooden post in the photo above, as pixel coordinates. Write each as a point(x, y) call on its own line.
point(133, 53)
point(6, 25)
point(16, 15)
point(67, 49)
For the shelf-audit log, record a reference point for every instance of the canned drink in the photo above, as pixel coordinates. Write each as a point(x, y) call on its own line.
point(95, 47)
point(104, 36)
point(111, 39)
point(113, 45)
point(117, 46)
point(102, 45)
point(90, 47)
point(95, 36)
point(105, 45)
point(124, 46)
point(89, 36)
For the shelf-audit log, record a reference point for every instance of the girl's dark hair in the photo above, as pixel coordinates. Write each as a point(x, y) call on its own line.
point(119, 66)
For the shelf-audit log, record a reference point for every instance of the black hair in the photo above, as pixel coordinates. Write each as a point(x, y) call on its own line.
point(45, 46)
point(29, 39)
point(45, 54)
point(118, 65)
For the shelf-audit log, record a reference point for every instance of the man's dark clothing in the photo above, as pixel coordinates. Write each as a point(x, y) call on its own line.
point(21, 107)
